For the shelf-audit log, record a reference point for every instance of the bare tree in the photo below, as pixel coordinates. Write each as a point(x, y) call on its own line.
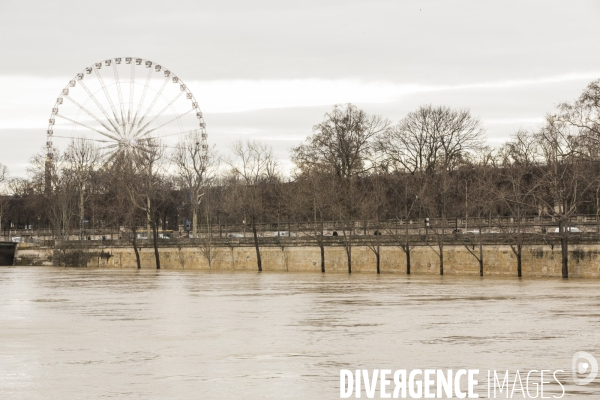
point(196, 168)
point(26, 200)
point(430, 143)
point(406, 190)
point(584, 113)
point(479, 199)
point(123, 179)
point(433, 185)
point(54, 186)
point(583, 116)
point(82, 158)
point(342, 145)
point(312, 194)
point(251, 169)
point(146, 186)
point(3, 173)
point(564, 179)
point(515, 185)
point(208, 251)
point(344, 208)
point(373, 206)
point(59, 201)
point(431, 138)
point(133, 240)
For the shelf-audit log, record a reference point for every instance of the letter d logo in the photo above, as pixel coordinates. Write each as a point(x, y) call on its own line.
point(584, 363)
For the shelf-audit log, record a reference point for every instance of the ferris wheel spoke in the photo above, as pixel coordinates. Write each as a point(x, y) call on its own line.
point(120, 96)
point(131, 90)
point(161, 112)
point(145, 150)
point(183, 133)
point(81, 138)
point(88, 127)
point(110, 146)
point(90, 114)
point(151, 106)
point(112, 123)
point(110, 102)
point(142, 98)
point(148, 142)
point(140, 134)
point(112, 157)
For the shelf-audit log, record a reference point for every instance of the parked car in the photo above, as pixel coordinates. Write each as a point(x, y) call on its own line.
point(16, 239)
point(284, 234)
point(568, 229)
point(235, 235)
point(476, 232)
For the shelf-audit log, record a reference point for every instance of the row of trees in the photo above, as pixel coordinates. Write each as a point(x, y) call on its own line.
point(355, 169)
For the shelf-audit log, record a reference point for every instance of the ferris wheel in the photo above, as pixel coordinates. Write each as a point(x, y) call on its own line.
point(124, 105)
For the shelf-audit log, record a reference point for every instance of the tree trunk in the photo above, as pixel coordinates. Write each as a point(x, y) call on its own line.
point(208, 217)
point(81, 213)
point(480, 252)
point(407, 249)
point(349, 254)
point(148, 219)
point(322, 256)
point(194, 223)
point(254, 234)
point(135, 248)
point(155, 243)
point(441, 252)
point(377, 257)
point(320, 241)
point(519, 261)
point(564, 247)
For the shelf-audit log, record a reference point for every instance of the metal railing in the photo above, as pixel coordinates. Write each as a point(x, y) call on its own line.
point(494, 230)
point(550, 239)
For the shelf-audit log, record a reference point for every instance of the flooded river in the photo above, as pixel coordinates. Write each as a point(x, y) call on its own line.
point(92, 334)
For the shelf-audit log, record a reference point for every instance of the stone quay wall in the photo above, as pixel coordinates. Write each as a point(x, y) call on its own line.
point(499, 260)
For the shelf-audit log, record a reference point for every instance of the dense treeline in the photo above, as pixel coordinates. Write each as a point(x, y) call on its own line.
point(354, 169)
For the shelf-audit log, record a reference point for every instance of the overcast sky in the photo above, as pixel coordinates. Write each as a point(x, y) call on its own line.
point(269, 70)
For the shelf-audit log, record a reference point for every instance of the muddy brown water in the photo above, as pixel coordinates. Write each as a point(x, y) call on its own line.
point(96, 333)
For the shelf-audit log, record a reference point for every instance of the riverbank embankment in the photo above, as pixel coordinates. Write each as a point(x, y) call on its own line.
point(538, 260)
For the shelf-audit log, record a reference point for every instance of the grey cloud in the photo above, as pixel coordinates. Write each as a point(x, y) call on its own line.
point(424, 41)
point(283, 128)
